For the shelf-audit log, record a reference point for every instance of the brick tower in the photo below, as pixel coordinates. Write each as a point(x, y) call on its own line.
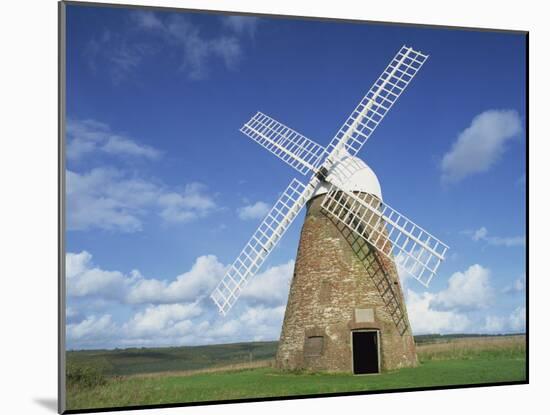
point(345, 310)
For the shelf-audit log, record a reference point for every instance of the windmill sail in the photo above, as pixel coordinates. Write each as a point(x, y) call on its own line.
point(377, 102)
point(261, 244)
point(290, 146)
point(412, 248)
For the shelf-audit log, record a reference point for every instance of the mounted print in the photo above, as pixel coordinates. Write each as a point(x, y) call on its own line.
point(258, 207)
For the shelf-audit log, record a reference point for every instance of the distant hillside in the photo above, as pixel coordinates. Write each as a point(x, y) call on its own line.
point(132, 361)
point(163, 359)
point(432, 338)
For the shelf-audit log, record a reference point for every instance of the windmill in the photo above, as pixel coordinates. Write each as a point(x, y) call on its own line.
point(345, 309)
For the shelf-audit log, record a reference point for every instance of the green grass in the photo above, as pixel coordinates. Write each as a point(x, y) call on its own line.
point(121, 362)
point(491, 366)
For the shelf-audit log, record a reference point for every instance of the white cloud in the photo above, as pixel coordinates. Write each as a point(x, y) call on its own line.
point(96, 281)
point(165, 324)
point(515, 322)
point(150, 324)
point(453, 309)
point(241, 24)
point(162, 320)
point(482, 234)
point(270, 286)
point(96, 200)
point(192, 203)
point(168, 313)
point(200, 280)
point(171, 325)
point(86, 279)
point(456, 308)
point(88, 136)
point(517, 319)
point(177, 325)
point(198, 51)
point(177, 312)
point(76, 264)
point(248, 323)
point(108, 199)
point(91, 331)
point(494, 324)
point(518, 286)
point(113, 53)
point(425, 319)
point(112, 199)
point(510, 241)
point(480, 145)
point(466, 290)
point(193, 51)
point(83, 279)
point(71, 312)
point(73, 315)
point(123, 145)
point(257, 210)
point(147, 19)
point(263, 323)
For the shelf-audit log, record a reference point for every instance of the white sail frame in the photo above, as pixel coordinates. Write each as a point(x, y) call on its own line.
point(293, 148)
point(377, 102)
point(412, 248)
point(260, 245)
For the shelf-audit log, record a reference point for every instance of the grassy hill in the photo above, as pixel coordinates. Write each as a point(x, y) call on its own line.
point(456, 361)
point(122, 362)
point(131, 361)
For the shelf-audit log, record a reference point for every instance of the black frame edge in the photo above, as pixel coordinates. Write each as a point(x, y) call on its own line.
point(61, 108)
point(527, 207)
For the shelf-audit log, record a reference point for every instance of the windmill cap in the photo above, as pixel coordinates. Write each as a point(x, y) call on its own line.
point(351, 174)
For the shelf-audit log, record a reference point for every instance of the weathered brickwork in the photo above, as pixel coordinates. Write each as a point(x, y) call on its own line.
point(335, 274)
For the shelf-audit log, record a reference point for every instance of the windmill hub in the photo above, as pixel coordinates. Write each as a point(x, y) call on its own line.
point(354, 175)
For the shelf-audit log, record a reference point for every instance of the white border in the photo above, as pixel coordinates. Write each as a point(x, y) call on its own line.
point(28, 182)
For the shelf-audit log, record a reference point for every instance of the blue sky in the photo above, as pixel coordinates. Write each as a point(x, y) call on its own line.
point(163, 190)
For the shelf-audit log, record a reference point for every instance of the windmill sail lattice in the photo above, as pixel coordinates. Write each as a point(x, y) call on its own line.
point(377, 102)
point(412, 248)
point(293, 148)
point(261, 244)
point(398, 238)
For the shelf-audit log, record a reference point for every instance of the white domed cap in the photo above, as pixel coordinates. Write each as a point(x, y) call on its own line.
point(354, 175)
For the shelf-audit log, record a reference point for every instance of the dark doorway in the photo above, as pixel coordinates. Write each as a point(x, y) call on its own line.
point(365, 352)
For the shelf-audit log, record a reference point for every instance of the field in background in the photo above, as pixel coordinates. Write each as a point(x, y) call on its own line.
point(122, 362)
point(223, 372)
point(472, 348)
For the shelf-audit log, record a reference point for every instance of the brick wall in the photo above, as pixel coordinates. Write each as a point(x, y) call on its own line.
point(335, 274)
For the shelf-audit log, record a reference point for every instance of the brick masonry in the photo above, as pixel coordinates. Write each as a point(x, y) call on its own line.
point(341, 284)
